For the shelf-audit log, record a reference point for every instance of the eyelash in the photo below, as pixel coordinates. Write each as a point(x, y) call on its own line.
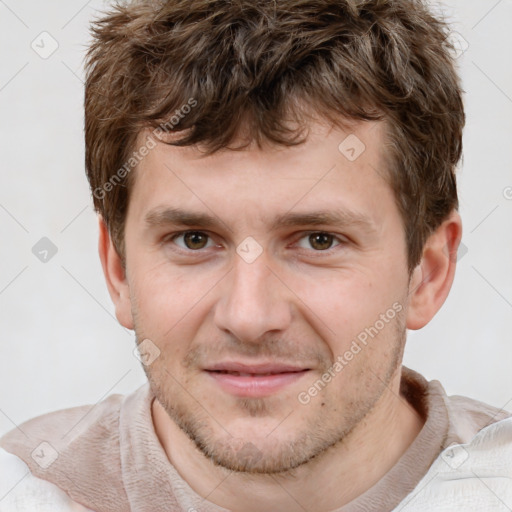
point(172, 237)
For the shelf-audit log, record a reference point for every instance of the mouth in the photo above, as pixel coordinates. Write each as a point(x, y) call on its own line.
point(259, 380)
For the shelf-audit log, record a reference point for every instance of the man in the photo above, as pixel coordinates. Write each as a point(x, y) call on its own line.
point(277, 205)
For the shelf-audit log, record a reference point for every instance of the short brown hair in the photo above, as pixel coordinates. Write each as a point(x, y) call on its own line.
point(259, 63)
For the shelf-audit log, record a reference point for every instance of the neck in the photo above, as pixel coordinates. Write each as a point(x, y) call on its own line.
point(331, 480)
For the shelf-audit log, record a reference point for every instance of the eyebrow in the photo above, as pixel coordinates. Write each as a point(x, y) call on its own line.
point(180, 217)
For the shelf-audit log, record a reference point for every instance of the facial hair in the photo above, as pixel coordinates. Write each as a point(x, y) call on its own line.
point(331, 425)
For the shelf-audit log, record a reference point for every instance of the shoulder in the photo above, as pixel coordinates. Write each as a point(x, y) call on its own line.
point(469, 476)
point(469, 416)
point(57, 432)
point(21, 491)
point(55, 456)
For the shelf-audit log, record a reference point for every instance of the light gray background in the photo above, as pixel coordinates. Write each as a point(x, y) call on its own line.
point(60, 342)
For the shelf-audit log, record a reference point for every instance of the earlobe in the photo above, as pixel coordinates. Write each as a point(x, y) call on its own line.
point(433, 277)
point(115, 276)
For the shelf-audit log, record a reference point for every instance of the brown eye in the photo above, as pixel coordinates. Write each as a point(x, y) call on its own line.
point(321, 241)
point(195, 240)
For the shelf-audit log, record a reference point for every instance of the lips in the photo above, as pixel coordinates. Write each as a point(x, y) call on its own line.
point(254, 380)
point(252, 374)
point(254, 369)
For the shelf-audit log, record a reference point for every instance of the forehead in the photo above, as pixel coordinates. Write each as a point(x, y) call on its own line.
point(335, 168)
point(358, 142)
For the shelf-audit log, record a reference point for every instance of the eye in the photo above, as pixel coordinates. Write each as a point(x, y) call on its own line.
point(191, 240)
point(195, 241)
point(320, 241)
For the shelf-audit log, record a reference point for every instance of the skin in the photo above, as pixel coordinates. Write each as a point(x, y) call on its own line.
point(296, 303)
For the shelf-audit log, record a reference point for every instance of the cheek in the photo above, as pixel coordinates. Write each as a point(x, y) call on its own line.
point(168, 301)
point(342, 303)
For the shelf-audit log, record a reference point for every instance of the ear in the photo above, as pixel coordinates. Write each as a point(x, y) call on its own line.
point(433, 277)
point(115, 276)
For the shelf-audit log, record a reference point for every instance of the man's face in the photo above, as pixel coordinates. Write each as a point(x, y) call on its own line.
point(249, 312)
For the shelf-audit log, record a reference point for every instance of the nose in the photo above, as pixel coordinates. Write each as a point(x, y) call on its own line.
point(254, 301)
